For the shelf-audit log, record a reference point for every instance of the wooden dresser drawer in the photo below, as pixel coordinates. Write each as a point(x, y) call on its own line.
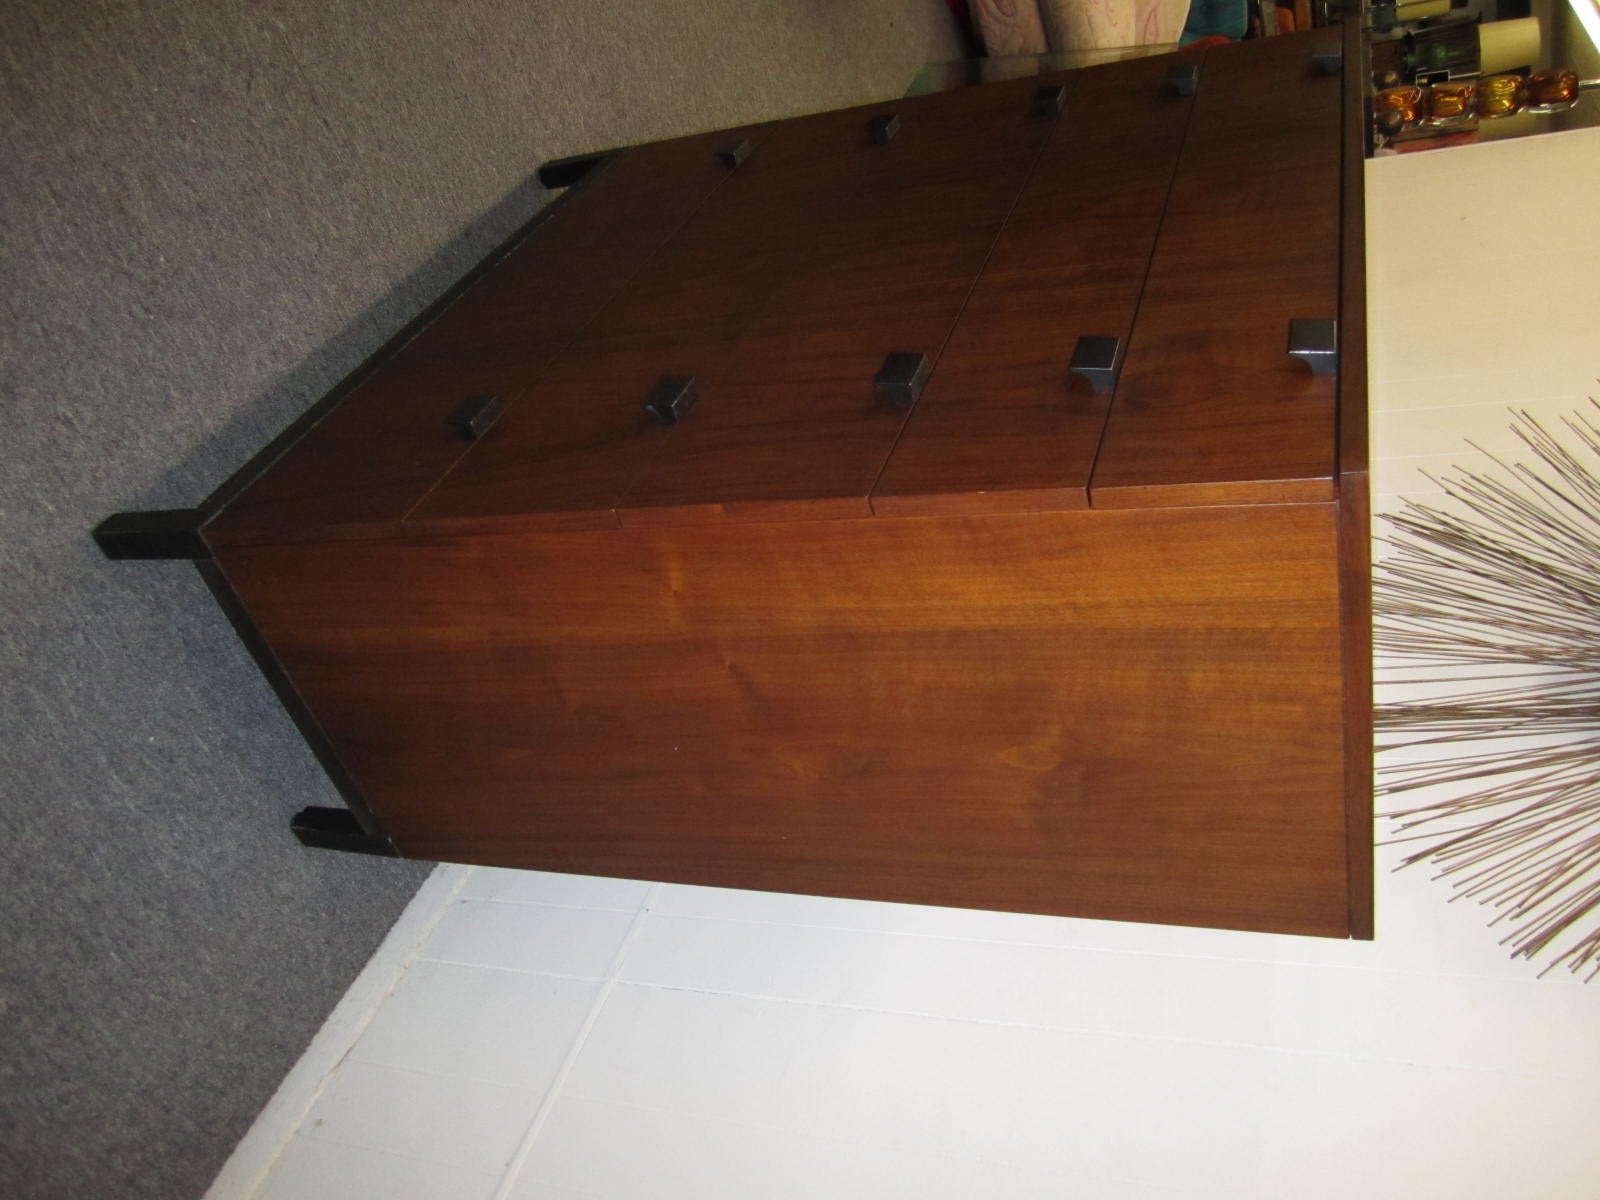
point(1003, 426)
point(824, 251)
point(362, 468)
point(1209, 407)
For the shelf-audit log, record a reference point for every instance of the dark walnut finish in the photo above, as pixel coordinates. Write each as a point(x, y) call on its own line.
point(1001, 426)
point(362, 468)
point(1355, 513)
point(975, 711)
point(1210, 410)
point(1026, 643)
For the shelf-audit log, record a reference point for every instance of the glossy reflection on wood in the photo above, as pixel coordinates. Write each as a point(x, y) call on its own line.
point(974, 711)
point(1003, 426)
point(1210, 408)
point(1023, 645)
point(1355, 515)
point(362, 468)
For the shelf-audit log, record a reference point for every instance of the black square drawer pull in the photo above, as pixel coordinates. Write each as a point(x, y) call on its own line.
point(671, 398)
point(1315, 342)
point(1097, 358)
point(902, 377)
point(1049, 101)
point(1182, 81)
point(882, 128)
point(733, 153)
point(473, 417)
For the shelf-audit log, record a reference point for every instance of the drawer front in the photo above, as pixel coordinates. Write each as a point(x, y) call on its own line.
point(786, 427)
point(549, 290)
point(364, 465)
point(577, 439)
point(792, 426)
point(581, 438)
point(358, 470)
point(1209, 407)
point(1003, 425)
point(741, 246)
point(904, 248)
point(824, 251)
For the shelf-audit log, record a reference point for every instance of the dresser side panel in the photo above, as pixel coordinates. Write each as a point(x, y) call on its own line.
point(1121, 715)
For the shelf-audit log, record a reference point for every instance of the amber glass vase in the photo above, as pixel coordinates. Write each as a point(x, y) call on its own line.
point(1407, 100)
point(1551, 91)
point(1453, 103)
point(1499, 95)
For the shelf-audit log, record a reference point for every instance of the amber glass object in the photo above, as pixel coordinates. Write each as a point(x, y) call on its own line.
point(1407, 100)
point(1551, 91)
point(1451, 103)
point(1499, 95)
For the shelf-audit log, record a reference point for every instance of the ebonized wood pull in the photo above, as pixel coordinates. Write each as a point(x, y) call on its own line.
point(733, 153)
point(1097, 358)
point(1049, 101)
point(159, 533)
point(1182, 81)
point(882, 128)
point(1329, 59)
point(902, 377)
point(473, 417)
point(671, 398)
point(564, 172)
point(1315, 342)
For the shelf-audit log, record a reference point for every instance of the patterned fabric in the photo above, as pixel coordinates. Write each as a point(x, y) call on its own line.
point(1096, 24)
point(1009, 27)
point(1040, 26)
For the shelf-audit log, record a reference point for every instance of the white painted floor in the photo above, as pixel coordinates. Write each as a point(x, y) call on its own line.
point(534, 1036)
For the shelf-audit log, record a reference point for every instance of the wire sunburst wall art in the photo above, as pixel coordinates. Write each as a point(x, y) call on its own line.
point(1487, 632)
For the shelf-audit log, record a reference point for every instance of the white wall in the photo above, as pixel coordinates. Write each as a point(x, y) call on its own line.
point(1483, 274)
point(550, 1037)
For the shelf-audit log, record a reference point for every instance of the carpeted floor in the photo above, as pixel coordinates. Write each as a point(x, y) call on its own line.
point(208, 214)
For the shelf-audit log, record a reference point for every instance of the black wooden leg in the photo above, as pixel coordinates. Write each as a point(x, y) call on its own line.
point(564, 172)
point(175, 533)
point(338, 829)
point(162, 533)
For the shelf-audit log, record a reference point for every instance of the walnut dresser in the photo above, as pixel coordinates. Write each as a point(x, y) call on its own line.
point(919, 502)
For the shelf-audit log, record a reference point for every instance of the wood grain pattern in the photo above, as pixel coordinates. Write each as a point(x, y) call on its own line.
point(754, 231)
point(1355, 519)
point(1003, 426)
point(1019, 712)
point(781, 295)
point(549, 289)
point(357, 471)
point(793, 428)
point(579, 439)
point(360, 469)
point(743, 651)
point(787, 427)
point(1209, 408)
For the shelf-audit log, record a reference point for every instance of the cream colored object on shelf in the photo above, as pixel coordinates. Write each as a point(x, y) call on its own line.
point(1504, 45)
point(1011, 27)
point(1416, 10)
point(1089, 24)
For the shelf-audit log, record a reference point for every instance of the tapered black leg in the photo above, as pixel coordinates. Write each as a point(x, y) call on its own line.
point(338, 829)
point(160, 533)
point(564, 172)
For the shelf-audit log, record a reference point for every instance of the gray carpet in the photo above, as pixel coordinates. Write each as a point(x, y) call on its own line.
point(209, 213)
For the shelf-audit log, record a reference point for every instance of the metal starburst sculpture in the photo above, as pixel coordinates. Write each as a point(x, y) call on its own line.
point(1487, 629)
